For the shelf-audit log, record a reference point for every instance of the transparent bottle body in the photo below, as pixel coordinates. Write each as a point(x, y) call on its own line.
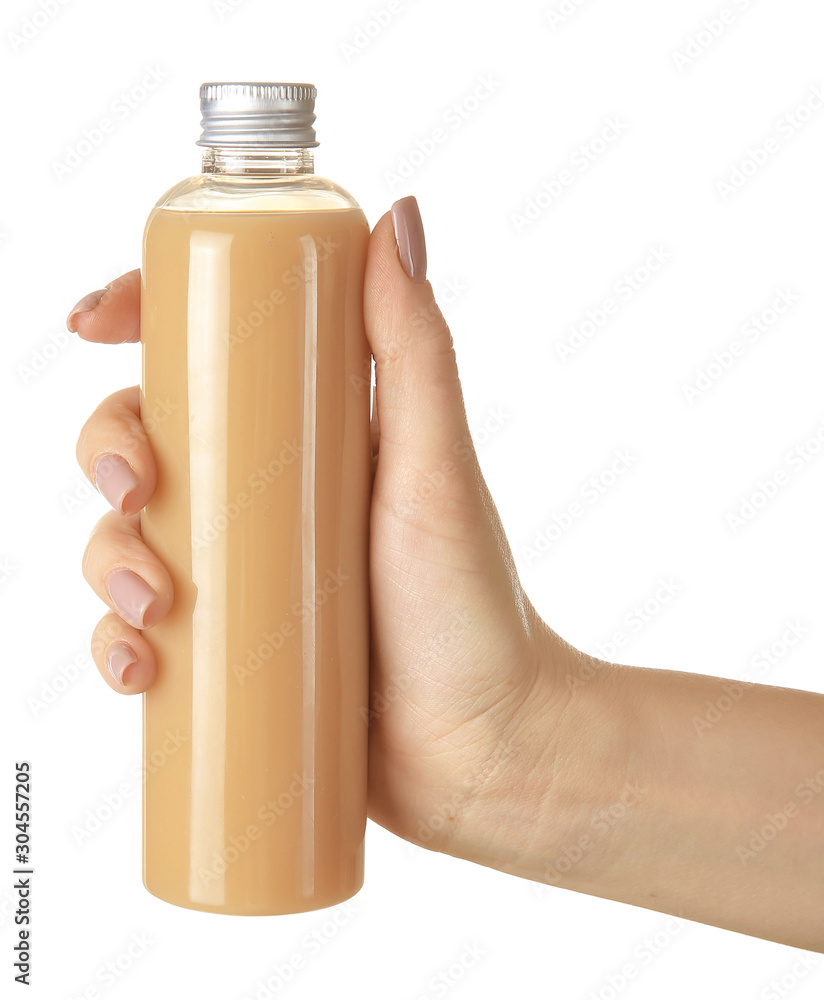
point(255, 395)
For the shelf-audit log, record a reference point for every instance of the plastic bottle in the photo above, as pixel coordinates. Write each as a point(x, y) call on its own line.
point(255, 395)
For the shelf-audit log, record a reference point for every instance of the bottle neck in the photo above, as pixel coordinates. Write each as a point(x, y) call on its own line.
point(258, 161)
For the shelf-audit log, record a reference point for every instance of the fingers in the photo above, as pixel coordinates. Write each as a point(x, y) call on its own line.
point(421, 404)
point(114, 452)
point(124, 573)
point(427, 471)
point(115, 455)
point(124, 658)
point(110, 315)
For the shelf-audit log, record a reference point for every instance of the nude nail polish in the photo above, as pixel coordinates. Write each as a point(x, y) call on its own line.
point(130, 594)
point(114, 478)
point(119, 659)
point(406, 218)
point(84, 305)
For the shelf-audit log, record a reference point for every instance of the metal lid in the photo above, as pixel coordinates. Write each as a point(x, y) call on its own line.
point(257, 114)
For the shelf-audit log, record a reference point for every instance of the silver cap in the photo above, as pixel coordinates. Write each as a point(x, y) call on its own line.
point(257, 114)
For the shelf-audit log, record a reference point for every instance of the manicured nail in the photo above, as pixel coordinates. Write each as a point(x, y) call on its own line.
point(120, 658)
point(114, 478)
point(406, 218)
point(130, 595)
point(87, 303)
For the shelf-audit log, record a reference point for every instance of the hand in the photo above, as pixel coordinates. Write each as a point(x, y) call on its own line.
point(459, 656)
point(491, 738)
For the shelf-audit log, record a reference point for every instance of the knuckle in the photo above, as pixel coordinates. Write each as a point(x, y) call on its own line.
point(82, 446)
point(129, 426)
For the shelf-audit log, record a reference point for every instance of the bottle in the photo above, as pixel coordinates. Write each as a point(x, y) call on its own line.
point(255, 395)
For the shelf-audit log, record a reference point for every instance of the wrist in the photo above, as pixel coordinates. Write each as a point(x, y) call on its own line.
point(611, 782)
point(556, 775)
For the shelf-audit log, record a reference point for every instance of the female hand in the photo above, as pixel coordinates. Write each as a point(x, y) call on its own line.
point(491, 738)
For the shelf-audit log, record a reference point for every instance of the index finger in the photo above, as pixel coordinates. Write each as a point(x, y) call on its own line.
point(111, 315)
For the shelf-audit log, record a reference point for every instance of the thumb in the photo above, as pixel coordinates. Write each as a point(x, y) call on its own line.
point(423, 425)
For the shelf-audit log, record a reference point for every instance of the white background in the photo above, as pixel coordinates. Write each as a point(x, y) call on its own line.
point(685, 128)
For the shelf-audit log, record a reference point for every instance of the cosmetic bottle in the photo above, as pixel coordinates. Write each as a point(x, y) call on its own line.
point(255, 395)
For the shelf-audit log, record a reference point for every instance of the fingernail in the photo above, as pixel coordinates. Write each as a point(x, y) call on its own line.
point(120, 658)
point(406, 218)
point(87, 303)
point(130, 595)
point(114, 478)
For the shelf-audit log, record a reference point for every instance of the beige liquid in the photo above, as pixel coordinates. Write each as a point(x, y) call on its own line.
point(255, 396)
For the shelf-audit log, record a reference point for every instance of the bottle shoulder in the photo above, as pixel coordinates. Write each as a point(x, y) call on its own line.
point(247, 193)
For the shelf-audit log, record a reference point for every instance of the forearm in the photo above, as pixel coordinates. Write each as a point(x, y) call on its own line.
point(683, 793)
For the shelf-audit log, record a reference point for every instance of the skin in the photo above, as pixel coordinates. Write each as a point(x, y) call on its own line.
point(492, 739)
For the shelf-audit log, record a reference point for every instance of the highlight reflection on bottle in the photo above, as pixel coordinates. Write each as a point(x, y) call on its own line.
point(255, 356)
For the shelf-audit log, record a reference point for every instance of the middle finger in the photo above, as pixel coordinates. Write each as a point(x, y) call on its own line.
point(123, 571)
